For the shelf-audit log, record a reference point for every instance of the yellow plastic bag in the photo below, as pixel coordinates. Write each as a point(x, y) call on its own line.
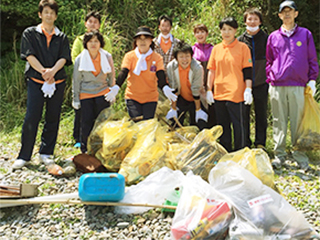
point(95, 139)
point(147, 154)
point(309, 129)
point(117, 142)
point(254, 160)
point(203, 153)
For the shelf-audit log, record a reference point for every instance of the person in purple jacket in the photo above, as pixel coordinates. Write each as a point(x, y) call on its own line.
point(201, 52)
point(291, 66)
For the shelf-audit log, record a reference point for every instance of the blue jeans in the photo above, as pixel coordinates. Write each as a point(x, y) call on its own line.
point(35, 104)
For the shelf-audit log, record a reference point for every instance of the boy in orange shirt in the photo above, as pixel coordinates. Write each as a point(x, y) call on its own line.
point(230, 77)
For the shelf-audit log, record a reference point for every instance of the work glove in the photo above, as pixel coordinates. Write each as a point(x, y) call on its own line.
point(111, 96)
point(210, 99)
point(168, 92)
point(171, 114)
point(312, 85)
point(76, 105)
point(48, 89)
point(200, 114)
point(248, 96)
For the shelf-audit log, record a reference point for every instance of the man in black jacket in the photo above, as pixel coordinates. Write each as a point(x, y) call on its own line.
point(256, 39)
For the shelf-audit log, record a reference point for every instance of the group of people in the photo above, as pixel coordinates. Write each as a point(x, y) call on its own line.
point(213, 84)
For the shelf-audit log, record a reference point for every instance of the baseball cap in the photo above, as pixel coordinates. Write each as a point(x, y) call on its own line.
point(290, 4)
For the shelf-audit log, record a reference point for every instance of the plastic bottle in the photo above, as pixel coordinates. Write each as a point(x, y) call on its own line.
point(153, 67)
point(55, 169)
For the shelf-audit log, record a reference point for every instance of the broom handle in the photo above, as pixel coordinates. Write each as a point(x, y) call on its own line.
point(70, 201)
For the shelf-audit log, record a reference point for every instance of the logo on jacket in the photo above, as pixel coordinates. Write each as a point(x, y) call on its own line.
point(299, 44)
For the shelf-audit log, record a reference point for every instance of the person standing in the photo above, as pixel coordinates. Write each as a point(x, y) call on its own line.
point(165, 42)
point(185, 76)
point(201, 52)
point(291, 66)
point(92, 22)
point(256, 40)
point(93, 74)
point(46, 50)
point(145, 72)
point(230, 77)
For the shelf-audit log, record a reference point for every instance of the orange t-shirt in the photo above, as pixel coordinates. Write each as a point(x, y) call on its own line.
point(97, 64)
point(165, 45)
point(185, 85)
point(48, 35)
point(142, 88)
point(228, 61)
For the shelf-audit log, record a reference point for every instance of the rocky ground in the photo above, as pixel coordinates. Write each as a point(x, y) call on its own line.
point(61, 221)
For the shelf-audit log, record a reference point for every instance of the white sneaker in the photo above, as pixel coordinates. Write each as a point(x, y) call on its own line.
point(19, 163)
point(47, 159)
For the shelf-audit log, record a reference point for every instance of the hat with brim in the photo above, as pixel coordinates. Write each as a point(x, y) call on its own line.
point(290, 4)
point(143, 31)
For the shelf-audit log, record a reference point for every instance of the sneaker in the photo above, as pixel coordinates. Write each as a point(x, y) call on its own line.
point(277, 162)
point(19, 163)
point(77, 145)
point(47, 159)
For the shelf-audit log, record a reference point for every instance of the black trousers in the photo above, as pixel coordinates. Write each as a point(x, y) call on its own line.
point(90, 109)
point(185, 106)
point(144, 110)
point(35, 103)
point(228, 113)
point(77, 125)
point(260, 103)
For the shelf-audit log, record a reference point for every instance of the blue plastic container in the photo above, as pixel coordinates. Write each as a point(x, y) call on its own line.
point(105, 187)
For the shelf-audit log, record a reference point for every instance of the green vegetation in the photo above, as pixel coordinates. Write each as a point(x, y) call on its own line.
point(119, 22)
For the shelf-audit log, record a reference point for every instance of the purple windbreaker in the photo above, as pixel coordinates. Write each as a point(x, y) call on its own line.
point(291, 61)
point(201, 52)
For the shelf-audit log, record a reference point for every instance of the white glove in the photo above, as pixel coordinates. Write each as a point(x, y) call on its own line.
point(111, 96)
point(200, 114)
point(48, 89)
point(76, 105)
point(168, 92)
point(171, 114)
point(248, 96)
point(312, 85)
point(210, 99)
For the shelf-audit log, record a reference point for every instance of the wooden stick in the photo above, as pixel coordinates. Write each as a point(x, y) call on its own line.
point(8, 187)
point(9, 192)
point(70, 201)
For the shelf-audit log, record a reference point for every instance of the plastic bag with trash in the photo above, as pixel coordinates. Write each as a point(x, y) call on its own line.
point(147, 154)
point(254, 160)
point(118, 140)
point(203, 153)
point(201, 213)
point(154, 189)
point(261, 213)
point(95, 138)
point(309, 128)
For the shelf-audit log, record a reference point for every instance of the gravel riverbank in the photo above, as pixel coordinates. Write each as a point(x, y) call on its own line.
point(62, 221)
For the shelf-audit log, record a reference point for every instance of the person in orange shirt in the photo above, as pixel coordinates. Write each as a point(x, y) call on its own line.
point(185, 75)
point(229, 84)
point(93, 74)
point(145, 71)
point(165, 42)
